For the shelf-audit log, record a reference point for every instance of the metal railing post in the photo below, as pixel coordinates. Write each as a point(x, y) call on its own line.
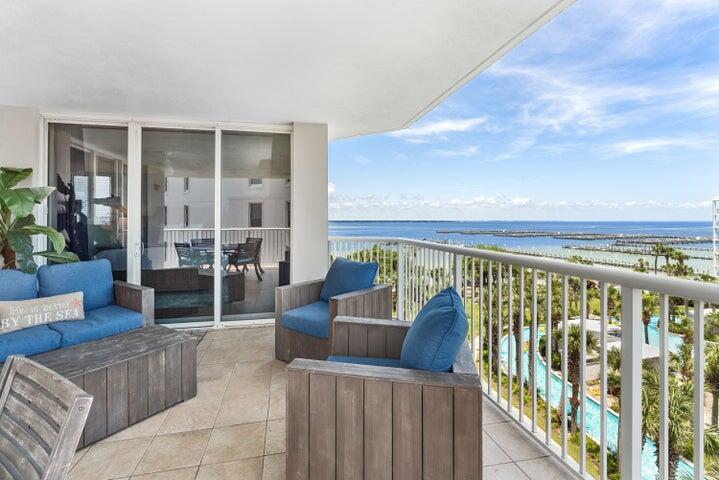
point(400, 281)
point(630, 419)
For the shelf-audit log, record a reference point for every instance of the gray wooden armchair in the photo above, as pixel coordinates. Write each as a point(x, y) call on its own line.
point(357, 421)
point(41, 419)
point(138, 298)
point(290, 344)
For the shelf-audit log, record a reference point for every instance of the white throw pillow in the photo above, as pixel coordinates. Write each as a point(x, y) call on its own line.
point(16, 315)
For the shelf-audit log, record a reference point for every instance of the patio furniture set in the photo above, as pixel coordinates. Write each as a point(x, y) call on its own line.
point(372, 397)
point(200, 253)
point(367, 396)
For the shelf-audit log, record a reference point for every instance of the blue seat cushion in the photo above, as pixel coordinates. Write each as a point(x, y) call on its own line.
point(99, 323)
point(93, 278)
point(15, 285)
point(347, 276)
point(437, 334)
point(28, 341)
point(376, 362)
point(312, 319)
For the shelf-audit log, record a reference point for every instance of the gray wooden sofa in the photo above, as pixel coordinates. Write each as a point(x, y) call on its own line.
point(290, 344)
point(358, 421)
point(131, 375)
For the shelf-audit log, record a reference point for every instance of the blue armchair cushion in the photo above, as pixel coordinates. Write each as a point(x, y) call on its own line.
point(347, 276)
point(15, 285)
point(376, 362)
point(312, 319)
point(28, 341)
point(437, 334)
point(93, 279)
point(99, 323)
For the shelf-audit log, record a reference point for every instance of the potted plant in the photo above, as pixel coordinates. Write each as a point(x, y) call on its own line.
point(17, 223)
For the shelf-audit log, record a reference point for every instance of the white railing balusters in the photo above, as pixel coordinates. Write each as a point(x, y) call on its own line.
point(500, 331)
point(510, 341)
point(630, 425)
point(582, 377)
point(548, 359)
point(698, 390)
point(565, 379)
point(490, 339)
point(663, 446)
point(533, 351)
point(520, 373)
point(603, 318)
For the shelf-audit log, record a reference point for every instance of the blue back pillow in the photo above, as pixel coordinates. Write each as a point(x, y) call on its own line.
point(93, 278)
point(347, 276)
point(437, 334)
point(15, 285)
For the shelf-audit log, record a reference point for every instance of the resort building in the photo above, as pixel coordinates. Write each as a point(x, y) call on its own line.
point(187, 144)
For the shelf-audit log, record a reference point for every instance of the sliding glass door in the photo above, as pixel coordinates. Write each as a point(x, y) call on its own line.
point(255, 222)
point(178, 252)
point(87, 165)
point(153, 200)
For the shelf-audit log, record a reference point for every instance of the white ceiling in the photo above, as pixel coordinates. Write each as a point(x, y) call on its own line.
point(360, 66)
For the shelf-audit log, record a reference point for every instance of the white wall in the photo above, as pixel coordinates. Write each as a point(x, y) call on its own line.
point(19, 139)
point(309, 202)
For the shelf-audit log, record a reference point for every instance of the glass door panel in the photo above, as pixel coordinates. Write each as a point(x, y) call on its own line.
point(177, 189)
point(255, 222)
point(87, 165)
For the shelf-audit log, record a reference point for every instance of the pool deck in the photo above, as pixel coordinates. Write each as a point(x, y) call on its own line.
point(235, 427)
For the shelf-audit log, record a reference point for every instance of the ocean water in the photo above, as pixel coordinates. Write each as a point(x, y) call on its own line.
point(432, 231)
point(428, 230)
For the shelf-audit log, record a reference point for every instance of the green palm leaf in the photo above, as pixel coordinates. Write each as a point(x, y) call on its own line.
point(21, 201)
point(9, 177)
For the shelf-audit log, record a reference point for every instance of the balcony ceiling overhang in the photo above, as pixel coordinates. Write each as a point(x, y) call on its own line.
point(361, 67)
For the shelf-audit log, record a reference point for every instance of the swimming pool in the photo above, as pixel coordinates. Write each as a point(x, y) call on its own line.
point(649, 452)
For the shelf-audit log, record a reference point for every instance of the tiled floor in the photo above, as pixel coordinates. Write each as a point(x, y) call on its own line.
point(235, 427)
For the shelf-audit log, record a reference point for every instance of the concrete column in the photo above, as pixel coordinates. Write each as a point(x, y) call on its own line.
point(309, 257)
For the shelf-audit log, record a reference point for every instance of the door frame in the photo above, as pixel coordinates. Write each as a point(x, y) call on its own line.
point(135, 126)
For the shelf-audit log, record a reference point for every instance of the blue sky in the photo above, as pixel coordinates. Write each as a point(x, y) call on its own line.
point(609, 112)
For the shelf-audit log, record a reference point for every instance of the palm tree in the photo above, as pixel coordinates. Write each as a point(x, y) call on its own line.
point(681, 362)
point(574, 346)
point(680, 418)
point(711, 377)
point(657, 251)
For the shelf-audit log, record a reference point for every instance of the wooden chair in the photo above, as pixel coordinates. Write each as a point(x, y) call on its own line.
point(373, 302)
point(246, 254)
point(41, 419)
point(358, 421)
point(258, 241)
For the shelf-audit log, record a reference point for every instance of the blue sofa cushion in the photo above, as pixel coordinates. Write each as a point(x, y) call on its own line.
point(377, 362)
point(15, 285)
point(99, 323)
point(347, 276)
point(93, 278)
point(28, 341)
point(312, 319)
point(437, 334)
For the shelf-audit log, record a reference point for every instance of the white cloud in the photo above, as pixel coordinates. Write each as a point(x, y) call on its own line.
point(422, 132)
point(657, 144)
point(460, 152)
point(331, 189)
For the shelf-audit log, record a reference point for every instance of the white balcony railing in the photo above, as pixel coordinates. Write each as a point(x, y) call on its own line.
point(497, 287)
point(274, 240)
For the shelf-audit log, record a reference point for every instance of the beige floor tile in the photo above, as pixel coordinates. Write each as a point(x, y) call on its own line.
point(195, 414)
point(247, 469)
point(168, 452)
point(491, 453)
point(180, 474)
point(78, 456)
point(235, 442)
point(110, 460)
point(275, 441)
point(514, 441)
point(491, 414)
point(146, 428)
point(245, 402)
point(274, 468)
point(278, 396)
point(261, 368)
point(545, 468)
point(505, 471)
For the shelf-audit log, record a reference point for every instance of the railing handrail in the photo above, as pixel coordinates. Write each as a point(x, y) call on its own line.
point(228, 229)
point(674, 287)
